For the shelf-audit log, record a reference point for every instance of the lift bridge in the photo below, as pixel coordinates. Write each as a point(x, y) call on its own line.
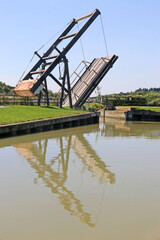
point(87, 77)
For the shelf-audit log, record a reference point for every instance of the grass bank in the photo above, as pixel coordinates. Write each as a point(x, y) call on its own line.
point(15, 114)
point(154, 109)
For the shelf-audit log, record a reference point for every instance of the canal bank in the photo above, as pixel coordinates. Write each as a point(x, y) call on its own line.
point(120, 113)
point(143, 115)
point(48, 124)
point(131, 114)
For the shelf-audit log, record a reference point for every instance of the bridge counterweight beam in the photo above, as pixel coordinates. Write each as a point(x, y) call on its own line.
point(65, 50)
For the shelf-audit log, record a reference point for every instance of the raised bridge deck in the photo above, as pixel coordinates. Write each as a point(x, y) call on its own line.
point(89, 80)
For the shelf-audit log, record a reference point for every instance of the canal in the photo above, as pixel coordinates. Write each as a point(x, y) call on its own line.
point(93, 182)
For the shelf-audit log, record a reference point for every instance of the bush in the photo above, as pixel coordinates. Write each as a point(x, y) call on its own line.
point(154, 102)
point(95, 107)
point(129, 100)
point(84, 107)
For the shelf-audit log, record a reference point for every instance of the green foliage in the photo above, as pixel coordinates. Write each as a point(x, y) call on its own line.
point(148, 90)
point(153, 98)
point(154, 102)
point(111, 102)
point(51, 94)
point(154, 109)
point(5, 88)
point(98, 93)
point(137, 98)
point(93, 107)
point(26, 101)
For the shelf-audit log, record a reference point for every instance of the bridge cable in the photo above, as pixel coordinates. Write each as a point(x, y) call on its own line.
point(81, 44)
point(26, 69)
point(105, 42)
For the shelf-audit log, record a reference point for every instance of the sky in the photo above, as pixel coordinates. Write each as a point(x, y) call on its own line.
point(131, 29)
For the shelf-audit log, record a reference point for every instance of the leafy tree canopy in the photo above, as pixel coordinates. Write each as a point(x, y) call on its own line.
point(5, 88)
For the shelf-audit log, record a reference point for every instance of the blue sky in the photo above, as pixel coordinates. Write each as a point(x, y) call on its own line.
point(131, 27)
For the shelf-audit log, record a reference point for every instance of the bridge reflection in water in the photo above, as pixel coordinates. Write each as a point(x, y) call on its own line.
point(54, 172)
point(73, 184)
point(112, 127)
point(73, 144)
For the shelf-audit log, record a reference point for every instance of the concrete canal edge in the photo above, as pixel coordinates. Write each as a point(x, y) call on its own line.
point(119, 113)
point(48, 124)
point(142, 115)
point(130, 114)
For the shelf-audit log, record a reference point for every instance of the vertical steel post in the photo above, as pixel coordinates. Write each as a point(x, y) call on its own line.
point(46, 91)
point(39, 98)
point(63, 85)
point(66, 76)
point(68, 83)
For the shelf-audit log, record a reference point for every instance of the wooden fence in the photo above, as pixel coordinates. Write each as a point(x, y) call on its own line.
point(32, 101)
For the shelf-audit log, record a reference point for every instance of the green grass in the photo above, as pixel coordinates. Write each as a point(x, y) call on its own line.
point(154, 109)
point(16, 114)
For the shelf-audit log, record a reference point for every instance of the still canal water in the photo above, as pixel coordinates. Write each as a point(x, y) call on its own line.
point(92, 182)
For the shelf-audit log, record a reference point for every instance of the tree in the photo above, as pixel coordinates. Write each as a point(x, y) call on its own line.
point(98, 93)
